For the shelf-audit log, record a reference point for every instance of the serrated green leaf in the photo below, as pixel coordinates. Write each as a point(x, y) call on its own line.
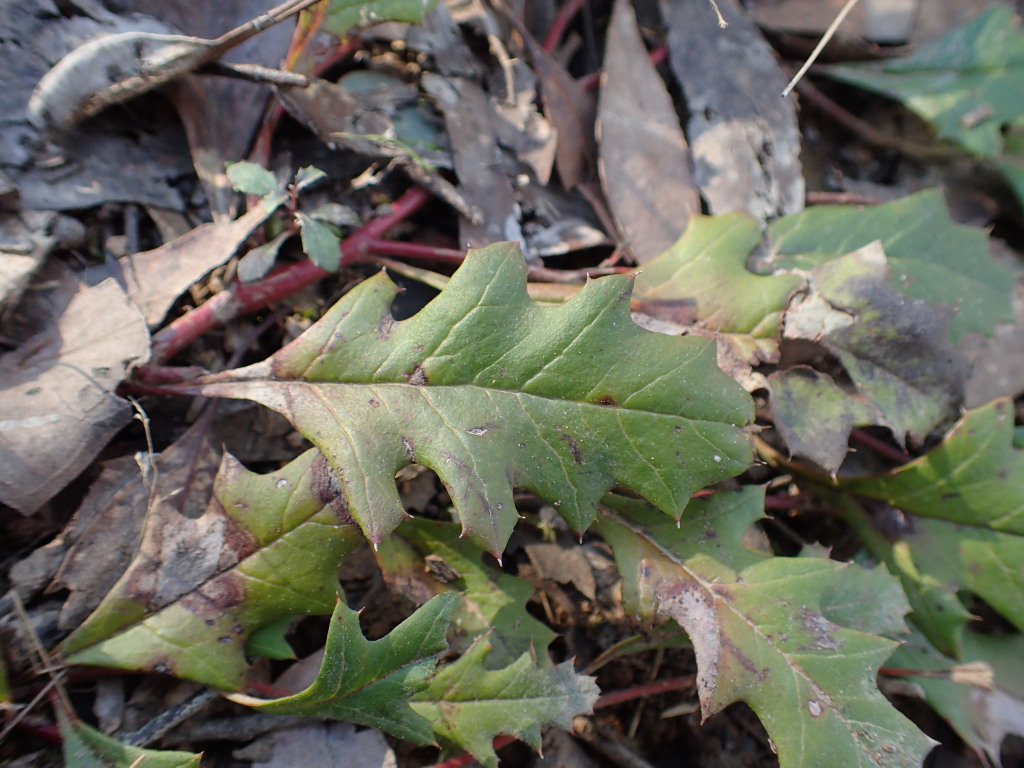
point(937, 558)
point(492, 601)
point(492, 391)
point(968, 84)
point(266, 547)
point(319, 242)
point(761, 636)
point(371, 682)
point(468, 705)
point(344, 15)
point(895, 350)
point(251, 179)
point(85, 747)
point(930, 256)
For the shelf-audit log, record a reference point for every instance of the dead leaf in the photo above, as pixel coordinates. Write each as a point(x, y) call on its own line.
point(181, 477)
point(744, 138)
point(220, 115)
point(644, 161)
point(566, 566)
point(154, 279)
point(320, 744)
point(59, 407)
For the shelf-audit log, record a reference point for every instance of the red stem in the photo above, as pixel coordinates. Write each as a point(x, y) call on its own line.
point(565, 15)
point(279, 284)
point(381, 247)
point(880, 447)
point(647, 689)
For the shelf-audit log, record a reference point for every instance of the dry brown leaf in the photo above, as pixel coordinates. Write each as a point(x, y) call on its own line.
point(180, 477)
point(59, 408)
point(154, 279)
point(644, 161)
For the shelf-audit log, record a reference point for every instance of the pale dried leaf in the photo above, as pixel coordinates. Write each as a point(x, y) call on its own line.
point(644, 161)
point(59, 407)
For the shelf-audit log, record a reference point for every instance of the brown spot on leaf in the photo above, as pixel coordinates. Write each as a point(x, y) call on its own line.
point(214, 598)
point(605, 400)
point(573, 448)
point(375, 403)
point(328, 487)
point(418, 377)
point(386, 327)
point(410, 450)
point(820, 631)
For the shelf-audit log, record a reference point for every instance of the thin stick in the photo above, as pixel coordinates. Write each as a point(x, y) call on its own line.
point(820, 46)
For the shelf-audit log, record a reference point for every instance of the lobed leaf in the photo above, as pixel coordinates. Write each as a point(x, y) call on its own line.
point(493, 602)
point(267, 547)
point(371, 682)
point(468, 704)
point(492, 391)
point(968, 84)
point(86, 747)
point(763, 634)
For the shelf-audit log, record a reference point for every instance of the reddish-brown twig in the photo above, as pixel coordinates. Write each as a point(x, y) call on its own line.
point(565, 15)
point(279, 284)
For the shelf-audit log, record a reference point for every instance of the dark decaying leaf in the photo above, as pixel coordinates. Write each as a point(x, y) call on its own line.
point(930, 256)
point(644, 161)
point(59, 409)
point(744, 139)
point(895, 350)
point(180, 478)
point(266, 547)
point(492, 391)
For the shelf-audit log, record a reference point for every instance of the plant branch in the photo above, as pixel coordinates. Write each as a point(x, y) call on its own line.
point(241, 298)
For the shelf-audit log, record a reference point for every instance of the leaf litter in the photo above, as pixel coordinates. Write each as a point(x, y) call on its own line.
point(604, 466)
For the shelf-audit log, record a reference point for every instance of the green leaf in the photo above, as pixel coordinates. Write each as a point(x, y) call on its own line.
point(257, 262)
point(763, 634)
point(271, 641)
point(492, 391)
point(251, 179)
point(895, 350)
point(930, 256)
point(371, 682)
point(345, 15)
point(319, 242)
point(704, 279)
point(85, 747)
point(307, 176)
point(468, 705)
point(981, 716)
point(968, 84)
point(975, 477)
point(492, 601)
point(936, 607)
point(266, 547)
